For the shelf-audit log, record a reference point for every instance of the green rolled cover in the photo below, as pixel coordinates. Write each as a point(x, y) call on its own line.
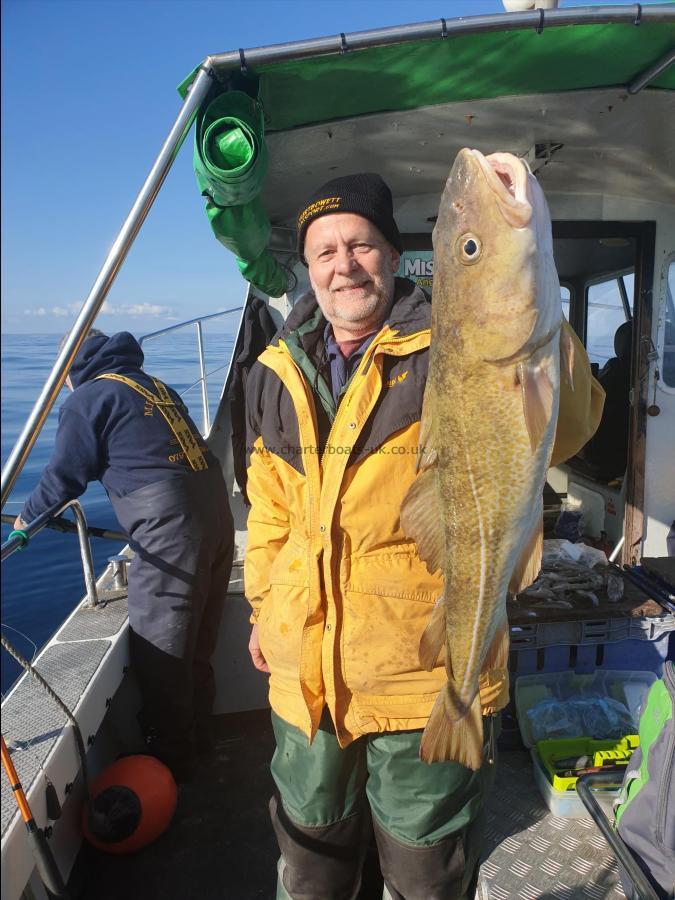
point(266, 273)
point(230, 162)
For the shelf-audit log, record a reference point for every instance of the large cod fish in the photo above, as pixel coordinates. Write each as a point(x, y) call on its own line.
point(488, 423)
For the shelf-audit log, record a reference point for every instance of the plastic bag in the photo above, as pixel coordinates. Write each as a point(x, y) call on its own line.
point(592, 716)
point(562, 550)
point(614, 587)
point(569, 525)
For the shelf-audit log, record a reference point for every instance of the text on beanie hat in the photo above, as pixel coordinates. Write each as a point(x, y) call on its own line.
point(365, 194)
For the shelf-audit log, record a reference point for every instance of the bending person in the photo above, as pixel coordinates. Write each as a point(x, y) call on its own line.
point(132, 433)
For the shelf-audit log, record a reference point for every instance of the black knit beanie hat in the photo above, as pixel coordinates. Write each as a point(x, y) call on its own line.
point(365, 194)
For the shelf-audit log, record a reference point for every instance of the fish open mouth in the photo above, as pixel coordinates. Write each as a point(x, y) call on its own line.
point(507, 176)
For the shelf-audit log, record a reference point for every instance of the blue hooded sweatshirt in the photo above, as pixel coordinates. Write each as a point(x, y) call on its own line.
point(108, 432)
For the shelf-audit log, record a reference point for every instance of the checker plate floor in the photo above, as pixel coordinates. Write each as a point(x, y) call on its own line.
point(532, 854)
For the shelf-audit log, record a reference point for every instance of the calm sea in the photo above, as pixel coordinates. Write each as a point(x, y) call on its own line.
point(43, 583)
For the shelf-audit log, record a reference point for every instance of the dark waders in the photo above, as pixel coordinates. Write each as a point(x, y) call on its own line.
point(182, 536)
point(428, 819)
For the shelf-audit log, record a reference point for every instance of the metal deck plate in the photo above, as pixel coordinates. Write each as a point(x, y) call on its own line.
point(534, 855)
point(102, 621)
point(32, 721)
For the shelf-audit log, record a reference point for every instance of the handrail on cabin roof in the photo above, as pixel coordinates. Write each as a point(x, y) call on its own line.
point(538, 20)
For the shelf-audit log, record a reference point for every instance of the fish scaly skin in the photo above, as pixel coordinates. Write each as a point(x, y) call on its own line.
point(488, 425)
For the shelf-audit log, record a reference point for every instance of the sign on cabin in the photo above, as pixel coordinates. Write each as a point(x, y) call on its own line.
point(418, 266)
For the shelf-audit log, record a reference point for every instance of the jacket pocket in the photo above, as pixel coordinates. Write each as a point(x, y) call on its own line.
point(284, 613)
point(388, 603)
point(394, 572)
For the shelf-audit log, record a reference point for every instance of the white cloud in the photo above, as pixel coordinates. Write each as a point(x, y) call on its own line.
point(42, 311)
point(151, 310)
point(136, 309)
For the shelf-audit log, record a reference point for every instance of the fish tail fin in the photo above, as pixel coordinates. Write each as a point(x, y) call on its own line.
point(460, 741)
point(433, 636)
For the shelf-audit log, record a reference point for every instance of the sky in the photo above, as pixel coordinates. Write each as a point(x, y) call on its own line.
point(88, 97)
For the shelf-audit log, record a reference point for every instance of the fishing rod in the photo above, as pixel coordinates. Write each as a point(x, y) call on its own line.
point(652, 590)
point(67, 527)
point(44, 859)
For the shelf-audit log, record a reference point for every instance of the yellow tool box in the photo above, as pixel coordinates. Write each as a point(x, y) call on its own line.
point(565, 760)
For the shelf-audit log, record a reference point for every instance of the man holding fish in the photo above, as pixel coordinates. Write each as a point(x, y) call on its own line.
point(397, 463)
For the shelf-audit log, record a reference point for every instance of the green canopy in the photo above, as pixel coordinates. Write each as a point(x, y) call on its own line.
point(471, 66)
point(409, 74)
point(466, 67)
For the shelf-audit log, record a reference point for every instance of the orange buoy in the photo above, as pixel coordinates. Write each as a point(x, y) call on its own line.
point(133, 802)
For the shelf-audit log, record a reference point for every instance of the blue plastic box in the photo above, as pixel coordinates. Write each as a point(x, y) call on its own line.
point(586, 645)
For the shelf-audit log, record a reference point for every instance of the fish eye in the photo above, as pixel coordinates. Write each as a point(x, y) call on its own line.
point(469, 248)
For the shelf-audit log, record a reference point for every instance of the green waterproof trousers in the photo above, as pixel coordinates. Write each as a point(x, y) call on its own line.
point(427, 819)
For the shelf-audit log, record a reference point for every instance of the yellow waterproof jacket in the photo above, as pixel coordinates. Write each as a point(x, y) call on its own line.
point(338, 591)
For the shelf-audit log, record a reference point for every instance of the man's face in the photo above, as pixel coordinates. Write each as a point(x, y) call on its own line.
point(351, 268)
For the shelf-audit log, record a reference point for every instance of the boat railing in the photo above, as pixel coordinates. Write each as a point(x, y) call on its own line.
point(18, 540)
point(202, 380)
point(49, 518)
point(106, 276)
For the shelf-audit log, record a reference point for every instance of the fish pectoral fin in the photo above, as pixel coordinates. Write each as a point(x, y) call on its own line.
point(529, 565)
point(460, 741)
point(567, 357)
point(493, 682)
point(537, 392)
point(427, 455)
point(433, 636)
point(493, 686)
point(421, 518)
point(498, 652)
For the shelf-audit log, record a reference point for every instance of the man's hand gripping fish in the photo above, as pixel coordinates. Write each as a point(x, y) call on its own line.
point(488, 424)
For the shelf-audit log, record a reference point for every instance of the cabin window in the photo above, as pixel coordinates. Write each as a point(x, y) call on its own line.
point(609, 304)
point(669, 329)
point(565, 297)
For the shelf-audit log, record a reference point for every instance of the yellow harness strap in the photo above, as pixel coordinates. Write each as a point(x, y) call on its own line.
point(171, 413)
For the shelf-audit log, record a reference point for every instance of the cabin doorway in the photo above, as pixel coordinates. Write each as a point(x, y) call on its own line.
point(606, 276)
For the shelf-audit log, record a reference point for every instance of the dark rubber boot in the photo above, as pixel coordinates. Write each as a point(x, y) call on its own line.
point(322, 863)
point(424, 872)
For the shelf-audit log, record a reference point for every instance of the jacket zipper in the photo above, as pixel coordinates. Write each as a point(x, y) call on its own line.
point(361, 370)
point(669, 762)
